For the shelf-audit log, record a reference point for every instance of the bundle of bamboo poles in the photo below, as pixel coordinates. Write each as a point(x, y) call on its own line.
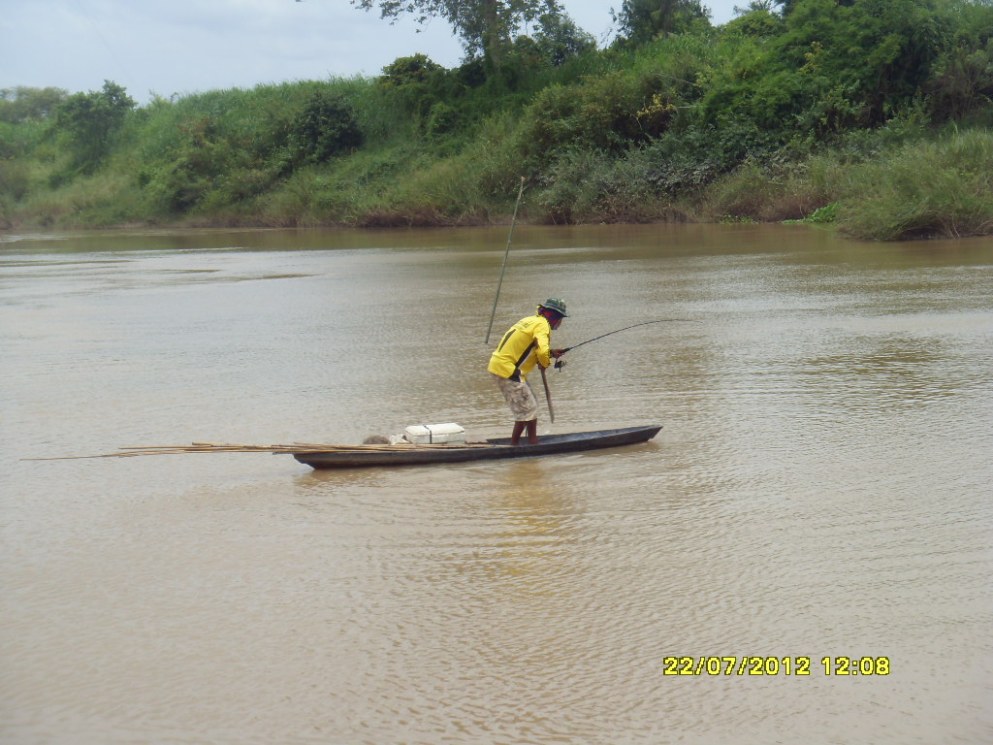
point(296, 447)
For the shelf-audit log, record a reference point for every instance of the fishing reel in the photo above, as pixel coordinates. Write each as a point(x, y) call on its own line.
point(559, 364)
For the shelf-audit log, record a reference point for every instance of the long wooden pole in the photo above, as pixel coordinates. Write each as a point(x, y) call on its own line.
point(298, 447)
point(548, 396)
point(503, 269)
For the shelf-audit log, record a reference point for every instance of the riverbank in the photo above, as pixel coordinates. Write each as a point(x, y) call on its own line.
point(844, 115)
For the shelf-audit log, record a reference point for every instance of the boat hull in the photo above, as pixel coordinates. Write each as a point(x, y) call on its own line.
point(492, 449)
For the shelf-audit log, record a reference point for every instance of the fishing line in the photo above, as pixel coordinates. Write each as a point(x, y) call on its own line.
point(633, 325)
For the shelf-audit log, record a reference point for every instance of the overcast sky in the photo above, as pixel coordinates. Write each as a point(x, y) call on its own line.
point(168, 47)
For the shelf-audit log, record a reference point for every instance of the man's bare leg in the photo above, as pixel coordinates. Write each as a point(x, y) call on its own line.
point(533, 432)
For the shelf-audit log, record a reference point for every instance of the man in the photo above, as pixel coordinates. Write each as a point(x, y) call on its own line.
point(526, 344)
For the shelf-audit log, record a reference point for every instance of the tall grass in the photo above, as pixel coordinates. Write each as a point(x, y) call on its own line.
point(940, 188)
point(102, 199)
point(920, 187)
point(764, 194)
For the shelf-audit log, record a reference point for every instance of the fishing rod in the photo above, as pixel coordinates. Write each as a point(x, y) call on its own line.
point(633, 325)
point(506, 253)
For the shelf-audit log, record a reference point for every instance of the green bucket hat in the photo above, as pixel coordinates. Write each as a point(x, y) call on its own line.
point(553, 303)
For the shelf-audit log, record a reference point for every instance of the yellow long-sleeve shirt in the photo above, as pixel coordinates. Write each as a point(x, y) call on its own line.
point(525, 344)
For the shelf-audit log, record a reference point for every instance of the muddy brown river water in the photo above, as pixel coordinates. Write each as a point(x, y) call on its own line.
point(803, 554)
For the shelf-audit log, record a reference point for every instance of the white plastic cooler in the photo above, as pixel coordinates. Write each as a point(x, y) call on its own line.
point(434, 434)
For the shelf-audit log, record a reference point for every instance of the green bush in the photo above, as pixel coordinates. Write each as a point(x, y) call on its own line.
point(326, 127)
point(443, 120)
point(15, 180)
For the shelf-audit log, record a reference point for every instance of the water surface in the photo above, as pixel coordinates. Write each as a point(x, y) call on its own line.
point(820, 489)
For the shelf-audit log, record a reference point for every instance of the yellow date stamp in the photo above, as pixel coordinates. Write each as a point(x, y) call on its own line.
point(772, 666)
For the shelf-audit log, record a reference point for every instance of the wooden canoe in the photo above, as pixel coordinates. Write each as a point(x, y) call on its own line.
point(409, 455)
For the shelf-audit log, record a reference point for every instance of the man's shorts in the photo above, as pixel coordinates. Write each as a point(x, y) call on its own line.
point(519, 398)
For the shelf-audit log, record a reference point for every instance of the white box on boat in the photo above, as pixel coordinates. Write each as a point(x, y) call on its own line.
point(433, 434)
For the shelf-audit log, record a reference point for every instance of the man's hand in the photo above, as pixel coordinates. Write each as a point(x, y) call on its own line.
point(556, 353)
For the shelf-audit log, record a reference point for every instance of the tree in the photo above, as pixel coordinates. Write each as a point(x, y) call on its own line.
point(829, 66)
point(417, 82)
point(961, 81)
point(559, 39)
point(486, 27)
point(641, 21)
point(872, 57)
point(785, 7)
point(90, 121)
point(23, 104)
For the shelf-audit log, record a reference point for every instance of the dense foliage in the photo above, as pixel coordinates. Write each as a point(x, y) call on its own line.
point(874, 114)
